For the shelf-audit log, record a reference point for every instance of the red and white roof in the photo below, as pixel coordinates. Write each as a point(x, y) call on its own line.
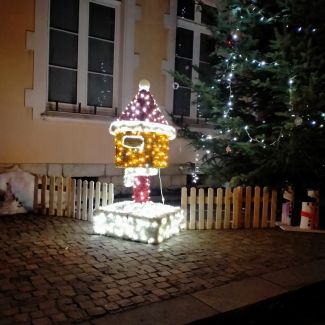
point(142, 114)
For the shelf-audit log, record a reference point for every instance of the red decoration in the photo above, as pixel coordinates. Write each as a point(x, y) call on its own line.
point(141, 190)
point(229, 41)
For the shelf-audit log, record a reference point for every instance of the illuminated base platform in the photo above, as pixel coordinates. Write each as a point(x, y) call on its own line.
point(148, 223)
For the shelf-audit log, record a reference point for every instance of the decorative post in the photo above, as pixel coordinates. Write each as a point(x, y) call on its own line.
point(142, 136)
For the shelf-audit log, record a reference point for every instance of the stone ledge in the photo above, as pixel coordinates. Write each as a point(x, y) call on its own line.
point(83, 170)
point(298, 276)
point(36, 169)
point(180, 310)
point(238, 294)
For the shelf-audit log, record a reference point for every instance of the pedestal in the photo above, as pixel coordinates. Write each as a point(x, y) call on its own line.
point(145, 222)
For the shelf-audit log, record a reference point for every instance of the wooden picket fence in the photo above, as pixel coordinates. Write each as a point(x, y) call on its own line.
point(229, 208)
point(59, 196)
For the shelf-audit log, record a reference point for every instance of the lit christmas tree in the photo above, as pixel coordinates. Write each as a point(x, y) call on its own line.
point(265, 100)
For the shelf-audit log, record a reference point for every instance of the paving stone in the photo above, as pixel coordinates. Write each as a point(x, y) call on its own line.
point(46, 304)
point(124, 302)
point(113, 298)
point(9, 312)
point(50, 311)
point(29, 308)
point(67, 308)
point(58, 266)
point(96, 295)
point(162, 285)
point(23, 317)
point(95, 311)
point(113, 291)
point(111, 306)
point(42, 321)
point(159, 292)
point(137, 299)
point(22, 296)
point(6, 321)
point(75, 314)
point(58, 317)
point(101, 302)
point(37, 314)
point(42, 292)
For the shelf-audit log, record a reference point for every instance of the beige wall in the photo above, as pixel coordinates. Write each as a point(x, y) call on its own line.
point(151, 45)
point(24, 140)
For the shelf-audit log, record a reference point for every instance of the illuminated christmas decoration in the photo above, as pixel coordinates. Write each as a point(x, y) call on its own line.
point(142, 137)
point(150, 223)
point(262, 99)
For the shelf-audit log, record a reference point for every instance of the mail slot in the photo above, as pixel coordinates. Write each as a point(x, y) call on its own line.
point(133, 142)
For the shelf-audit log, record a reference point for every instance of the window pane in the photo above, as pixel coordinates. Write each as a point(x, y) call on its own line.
point(207, 46)
point(185, 9)
point(184, 43)
point(208, 16)
point(100, 90)
point(184, 66)
point(101, 21)
point(65, 14)
point(182, 101)
point(62, 85)
point(63, 49)
point(101, 56)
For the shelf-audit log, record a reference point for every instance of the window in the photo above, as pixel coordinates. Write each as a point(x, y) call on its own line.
point(82, 58)
point(193, 46)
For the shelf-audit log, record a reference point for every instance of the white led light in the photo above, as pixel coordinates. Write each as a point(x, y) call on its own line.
point(149, 222)
point(142, 126)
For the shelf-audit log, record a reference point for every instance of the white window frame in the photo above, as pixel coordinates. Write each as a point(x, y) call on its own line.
point(82, 67)
point(172, 22)
point(38, 41)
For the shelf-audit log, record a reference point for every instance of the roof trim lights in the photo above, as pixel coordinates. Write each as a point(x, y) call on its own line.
point(142, 126)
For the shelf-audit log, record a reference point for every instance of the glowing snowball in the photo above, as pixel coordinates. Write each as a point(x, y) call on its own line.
point(144, 84)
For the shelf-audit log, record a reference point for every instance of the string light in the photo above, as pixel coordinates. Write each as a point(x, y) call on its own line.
point(232, 61)
point(153, 151)
point(142, 137)
point(196, 170)
point(226, 78)
point(150, 223)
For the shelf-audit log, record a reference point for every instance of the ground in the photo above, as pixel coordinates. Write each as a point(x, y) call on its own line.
point(54, 270)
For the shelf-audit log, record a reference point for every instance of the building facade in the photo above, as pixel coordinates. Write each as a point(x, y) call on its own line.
point(68, 68)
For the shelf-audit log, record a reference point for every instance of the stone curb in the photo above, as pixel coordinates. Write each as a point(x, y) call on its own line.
point(210, 302)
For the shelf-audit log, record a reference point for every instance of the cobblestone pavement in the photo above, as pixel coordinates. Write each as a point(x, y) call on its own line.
point(54, 270)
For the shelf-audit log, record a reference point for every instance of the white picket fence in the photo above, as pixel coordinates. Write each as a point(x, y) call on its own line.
point(229, 208)
point(59, 196)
